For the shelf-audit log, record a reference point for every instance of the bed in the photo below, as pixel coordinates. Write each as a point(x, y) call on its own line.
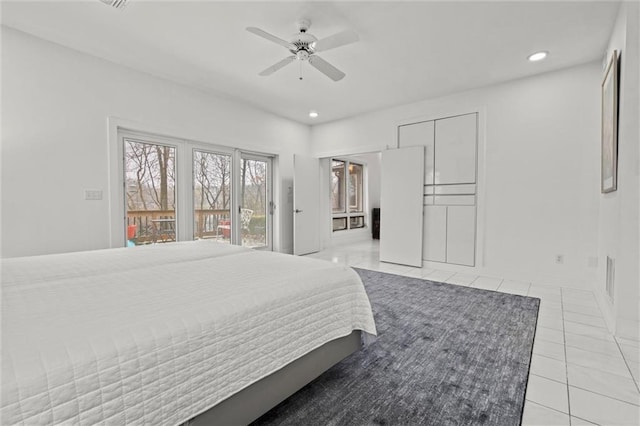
point(189, 332)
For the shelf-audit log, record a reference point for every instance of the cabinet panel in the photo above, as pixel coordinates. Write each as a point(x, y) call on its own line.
point(434, 239)
point(455, 149)
point(461, 235)
point(455, 189)
point(420, 134)
point(455, 200)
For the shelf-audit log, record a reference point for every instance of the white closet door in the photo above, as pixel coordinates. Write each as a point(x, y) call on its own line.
point(401, 206)
point(420, 134)
point(434, 240)
point(455, 150)
point(461, 235)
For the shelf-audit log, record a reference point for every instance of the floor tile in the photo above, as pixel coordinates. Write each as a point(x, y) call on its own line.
point(461, 279)
point(486, 283)
point(550, 335)
point(635, 372)
point(537, 415)
point(630, 353)
point(576, 421)
point(603, 383)
point(439, 276)
point(585, 303)
point(613, 365)
point(548, 393)
point(548, 349)
point(606, 347)
point(628, 342)
point(550, 321)
point(577, 294)
point(601, 409)
point(420, 272)
point(549, 368)
point(393, 268)
point(586, 310)
point(546, 311)
point(587, 330)
point(514, 287)
point(585, 319)
point(556, 306)
point(545, 289)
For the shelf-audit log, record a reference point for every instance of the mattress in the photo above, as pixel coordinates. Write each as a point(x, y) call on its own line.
point(159, 334)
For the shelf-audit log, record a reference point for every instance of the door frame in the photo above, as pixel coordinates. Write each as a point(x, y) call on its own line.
point(119, 129)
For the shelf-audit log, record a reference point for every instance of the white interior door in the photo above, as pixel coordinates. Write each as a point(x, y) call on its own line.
point(306, 205)
point(401, 206)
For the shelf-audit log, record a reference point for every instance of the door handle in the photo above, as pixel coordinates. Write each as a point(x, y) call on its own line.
point(298, 211)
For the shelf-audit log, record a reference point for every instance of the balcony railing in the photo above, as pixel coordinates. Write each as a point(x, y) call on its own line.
point(154, 226)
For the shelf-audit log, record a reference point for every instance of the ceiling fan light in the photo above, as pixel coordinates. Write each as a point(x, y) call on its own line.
point(538, 56)
point(313, 114)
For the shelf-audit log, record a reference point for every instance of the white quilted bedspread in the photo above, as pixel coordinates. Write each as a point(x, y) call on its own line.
point(158, 334)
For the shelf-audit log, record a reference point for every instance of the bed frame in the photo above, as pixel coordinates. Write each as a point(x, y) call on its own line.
point(253, 401)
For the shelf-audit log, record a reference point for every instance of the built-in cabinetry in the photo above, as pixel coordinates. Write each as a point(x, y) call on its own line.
point(450, 187)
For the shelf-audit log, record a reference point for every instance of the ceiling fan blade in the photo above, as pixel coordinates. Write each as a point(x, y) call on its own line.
point(264, 34)
point(336, 40)
point(275, 67)
point(326, 68)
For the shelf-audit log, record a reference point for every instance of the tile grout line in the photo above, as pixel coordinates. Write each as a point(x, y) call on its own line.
point(626, 363)
point(564, 346)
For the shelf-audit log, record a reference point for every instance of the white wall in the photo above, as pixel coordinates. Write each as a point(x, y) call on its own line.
point(55, 104)
point(539, 170)
point(619, 210)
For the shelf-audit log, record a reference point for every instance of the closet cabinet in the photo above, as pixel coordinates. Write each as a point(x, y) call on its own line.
point(455, 150)
point(450, 187)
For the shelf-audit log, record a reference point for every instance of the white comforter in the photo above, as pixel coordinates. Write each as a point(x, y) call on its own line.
point(158, 334)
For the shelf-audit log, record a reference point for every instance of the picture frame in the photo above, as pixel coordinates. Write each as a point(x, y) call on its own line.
point(609, 170)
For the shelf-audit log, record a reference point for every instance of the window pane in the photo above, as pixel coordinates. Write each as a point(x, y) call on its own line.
point(253, 198)
point(150, 179)
point(212, 196)
point(356, 222)
point(339, 223)
point(338, 186)
point(355, 187)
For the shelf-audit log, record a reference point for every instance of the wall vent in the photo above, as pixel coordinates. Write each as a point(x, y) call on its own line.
point(611, 265)
point(118, 4)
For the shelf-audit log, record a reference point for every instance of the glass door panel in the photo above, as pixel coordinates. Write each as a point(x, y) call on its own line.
point(212, 186)
point(255, 202)
point(150, 192)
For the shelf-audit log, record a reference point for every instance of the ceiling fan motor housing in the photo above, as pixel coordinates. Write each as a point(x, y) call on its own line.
point(303, 42)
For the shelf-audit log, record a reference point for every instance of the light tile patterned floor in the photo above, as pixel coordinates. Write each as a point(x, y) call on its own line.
point(580, 373)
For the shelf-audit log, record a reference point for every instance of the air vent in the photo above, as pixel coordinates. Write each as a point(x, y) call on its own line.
point(118, 4)
point(611, 265)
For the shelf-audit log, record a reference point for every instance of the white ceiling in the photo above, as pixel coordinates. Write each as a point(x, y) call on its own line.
point(407, 51)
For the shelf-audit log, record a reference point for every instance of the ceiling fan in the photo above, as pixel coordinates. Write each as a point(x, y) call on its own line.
point(304, 47)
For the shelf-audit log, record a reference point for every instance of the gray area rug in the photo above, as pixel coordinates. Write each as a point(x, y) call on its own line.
point(445, 355)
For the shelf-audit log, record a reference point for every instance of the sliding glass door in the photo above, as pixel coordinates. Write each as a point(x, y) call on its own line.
point(150, 192)
point(256, 206)
point(212, 193)
point(177, 190)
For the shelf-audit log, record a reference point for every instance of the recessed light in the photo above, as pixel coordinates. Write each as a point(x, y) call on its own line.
point(313, 114)
point(538, 56)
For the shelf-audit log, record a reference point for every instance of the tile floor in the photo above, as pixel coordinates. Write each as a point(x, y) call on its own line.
point(580, 373)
